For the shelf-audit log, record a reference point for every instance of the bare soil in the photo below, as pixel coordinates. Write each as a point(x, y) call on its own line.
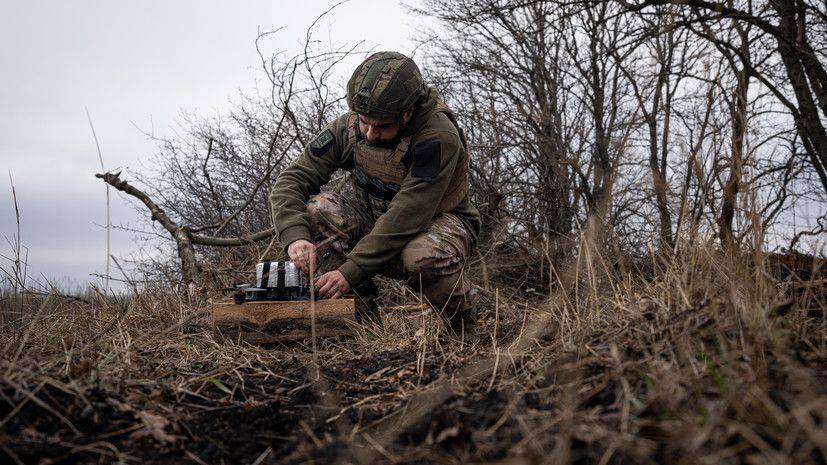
point(684, 368)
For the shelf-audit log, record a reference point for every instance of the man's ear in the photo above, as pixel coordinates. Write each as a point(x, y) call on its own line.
point(407, 116)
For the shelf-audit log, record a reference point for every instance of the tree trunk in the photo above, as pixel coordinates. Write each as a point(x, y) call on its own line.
point(809, 124)
point(729, 196)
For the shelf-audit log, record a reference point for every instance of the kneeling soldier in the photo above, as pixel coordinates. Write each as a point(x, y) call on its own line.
point(407, 213)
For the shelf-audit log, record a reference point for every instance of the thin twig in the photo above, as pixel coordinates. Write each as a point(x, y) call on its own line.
point(108, 210)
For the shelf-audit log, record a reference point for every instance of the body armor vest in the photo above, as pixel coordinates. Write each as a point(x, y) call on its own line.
point(379, 172)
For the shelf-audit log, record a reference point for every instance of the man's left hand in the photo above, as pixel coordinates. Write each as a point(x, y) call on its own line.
point(332, 285)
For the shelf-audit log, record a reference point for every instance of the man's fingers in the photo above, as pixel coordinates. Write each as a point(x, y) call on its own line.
point(303, 254)
point(337, 293)
point(309, 259)
point(327, 289)
point(304, 263)
point(322, 284)
point(331, 285)
point(302, 266)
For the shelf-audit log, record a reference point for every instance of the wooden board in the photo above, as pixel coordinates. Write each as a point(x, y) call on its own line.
point(264, 314)
point(282, 321)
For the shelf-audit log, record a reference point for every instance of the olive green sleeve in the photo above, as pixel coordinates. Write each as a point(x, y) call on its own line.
point(409, 213)
point(303, 178)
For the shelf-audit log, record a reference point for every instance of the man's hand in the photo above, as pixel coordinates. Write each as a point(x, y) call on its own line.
point(303, 253)
point(332, 285)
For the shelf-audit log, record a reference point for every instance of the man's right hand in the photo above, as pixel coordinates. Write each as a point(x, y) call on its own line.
point(303, 253)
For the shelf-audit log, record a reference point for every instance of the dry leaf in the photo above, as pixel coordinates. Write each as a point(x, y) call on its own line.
point(155, 425)
point(375, 376)
point(406, 370)
point(447, 433)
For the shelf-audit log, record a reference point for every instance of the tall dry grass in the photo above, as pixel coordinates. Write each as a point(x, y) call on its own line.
point(702, 358)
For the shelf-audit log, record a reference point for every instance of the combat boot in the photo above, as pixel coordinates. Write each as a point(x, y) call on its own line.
point(460, 315)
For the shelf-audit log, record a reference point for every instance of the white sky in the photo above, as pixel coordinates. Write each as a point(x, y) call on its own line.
point(130, 63)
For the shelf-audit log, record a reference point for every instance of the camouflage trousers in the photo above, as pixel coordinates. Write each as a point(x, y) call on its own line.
point(431, 263)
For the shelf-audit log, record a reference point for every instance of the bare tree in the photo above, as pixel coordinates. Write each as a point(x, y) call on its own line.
point(210, 182)
point(659, 119)
point(673, 55)
point(575, 104)
point(798, 28)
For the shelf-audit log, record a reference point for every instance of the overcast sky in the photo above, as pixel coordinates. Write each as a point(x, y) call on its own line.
point(131, 64)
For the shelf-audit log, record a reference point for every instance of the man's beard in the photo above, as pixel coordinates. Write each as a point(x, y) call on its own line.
point(383, 144)
point(388, 144)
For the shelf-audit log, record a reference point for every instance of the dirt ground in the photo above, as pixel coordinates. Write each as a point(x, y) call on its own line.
point(685, 368)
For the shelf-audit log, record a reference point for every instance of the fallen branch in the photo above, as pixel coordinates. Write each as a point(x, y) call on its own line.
point(184, 238)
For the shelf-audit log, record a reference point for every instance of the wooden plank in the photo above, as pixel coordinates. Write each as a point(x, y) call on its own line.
point(274, 322)
point(266, 314)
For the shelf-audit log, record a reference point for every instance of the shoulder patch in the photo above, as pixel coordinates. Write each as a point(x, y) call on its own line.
point(426, 159)
point(322, 143)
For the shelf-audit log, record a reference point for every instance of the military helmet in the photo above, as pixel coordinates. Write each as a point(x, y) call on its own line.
point(384, 86)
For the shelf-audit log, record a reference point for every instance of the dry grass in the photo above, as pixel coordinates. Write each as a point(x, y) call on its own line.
point(707, 360)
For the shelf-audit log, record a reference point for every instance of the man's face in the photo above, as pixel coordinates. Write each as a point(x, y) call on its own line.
point(381, 131)
point(377, 131)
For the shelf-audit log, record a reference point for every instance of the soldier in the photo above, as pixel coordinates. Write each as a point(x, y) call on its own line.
point(407, 213)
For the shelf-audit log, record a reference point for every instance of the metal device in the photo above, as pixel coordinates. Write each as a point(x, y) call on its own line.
point(274, 281)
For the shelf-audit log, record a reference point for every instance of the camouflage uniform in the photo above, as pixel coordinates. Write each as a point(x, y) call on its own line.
point(407, 213)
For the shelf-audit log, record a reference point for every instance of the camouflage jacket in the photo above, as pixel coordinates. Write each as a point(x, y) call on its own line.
point(408, 213)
